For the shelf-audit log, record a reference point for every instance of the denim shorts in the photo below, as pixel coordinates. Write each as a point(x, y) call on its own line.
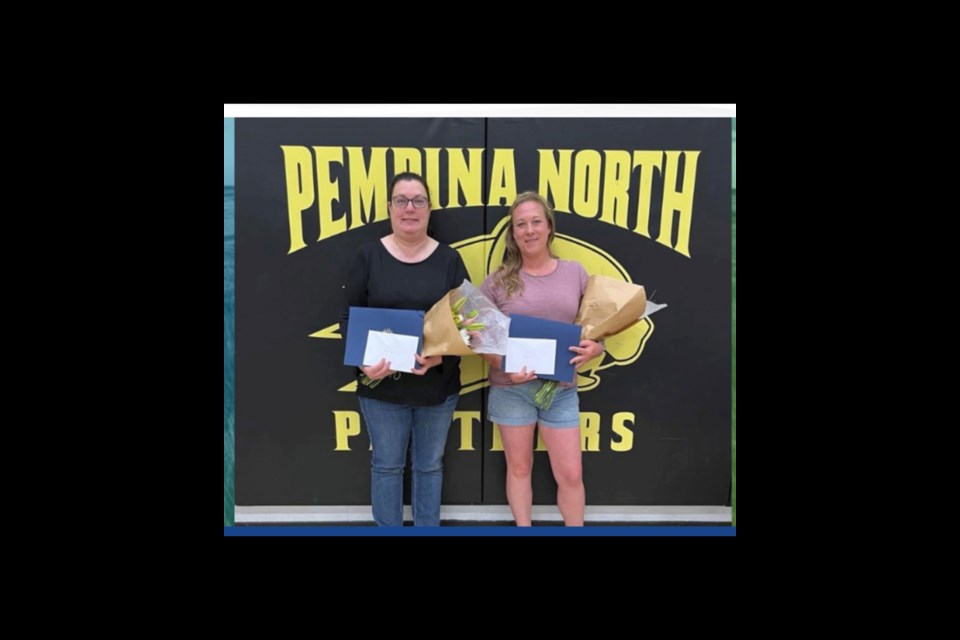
point(513, 407)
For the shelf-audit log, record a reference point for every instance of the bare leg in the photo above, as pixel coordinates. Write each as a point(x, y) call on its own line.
point(518, 450)
point(563, 446)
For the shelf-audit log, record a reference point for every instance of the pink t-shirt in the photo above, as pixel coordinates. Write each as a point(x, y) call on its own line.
point(555, 296)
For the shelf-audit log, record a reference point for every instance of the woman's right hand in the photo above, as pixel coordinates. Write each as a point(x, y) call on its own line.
point(376, 371)
point(523, 376)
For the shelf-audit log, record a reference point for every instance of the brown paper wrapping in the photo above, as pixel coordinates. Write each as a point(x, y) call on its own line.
point(610, 306)
point(440, 334)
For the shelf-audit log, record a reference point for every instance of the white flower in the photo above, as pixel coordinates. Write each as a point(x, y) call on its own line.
point(465, 336)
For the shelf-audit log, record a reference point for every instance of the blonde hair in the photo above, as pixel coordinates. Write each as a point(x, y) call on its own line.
point(508, 275)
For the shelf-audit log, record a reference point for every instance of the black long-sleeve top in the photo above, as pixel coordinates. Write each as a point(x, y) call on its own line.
point(377, 279)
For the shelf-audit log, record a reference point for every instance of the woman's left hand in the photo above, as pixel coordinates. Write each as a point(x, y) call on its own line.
point(588, 350)
point(426, 363)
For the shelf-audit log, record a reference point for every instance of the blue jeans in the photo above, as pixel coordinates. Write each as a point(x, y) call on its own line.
point(391, 427)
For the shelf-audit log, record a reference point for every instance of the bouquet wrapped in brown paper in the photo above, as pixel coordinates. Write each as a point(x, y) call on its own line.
point(462, 322)
point(608, 307)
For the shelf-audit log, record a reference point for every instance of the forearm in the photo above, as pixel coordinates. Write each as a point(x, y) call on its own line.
point(492, 359)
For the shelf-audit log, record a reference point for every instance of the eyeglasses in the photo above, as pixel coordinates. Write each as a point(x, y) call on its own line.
point(419, 202)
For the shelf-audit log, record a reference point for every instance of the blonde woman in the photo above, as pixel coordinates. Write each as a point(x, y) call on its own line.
point(533, 281)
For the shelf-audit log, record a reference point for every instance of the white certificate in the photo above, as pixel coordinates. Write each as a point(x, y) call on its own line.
point(532, 353)
point(395, 348)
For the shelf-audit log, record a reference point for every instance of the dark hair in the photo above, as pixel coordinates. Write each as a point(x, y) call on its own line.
point(408, 175)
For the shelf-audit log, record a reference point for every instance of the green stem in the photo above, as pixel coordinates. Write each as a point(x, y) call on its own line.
point(368, 382)
point(543, 398)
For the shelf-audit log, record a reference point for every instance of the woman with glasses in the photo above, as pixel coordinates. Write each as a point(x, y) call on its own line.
point(406, 269)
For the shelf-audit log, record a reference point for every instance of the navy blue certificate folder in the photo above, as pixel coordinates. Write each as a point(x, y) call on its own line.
point(365, 319)
point(567, 335)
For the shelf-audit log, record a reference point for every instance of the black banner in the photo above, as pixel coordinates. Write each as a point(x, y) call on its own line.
point(643, 200)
